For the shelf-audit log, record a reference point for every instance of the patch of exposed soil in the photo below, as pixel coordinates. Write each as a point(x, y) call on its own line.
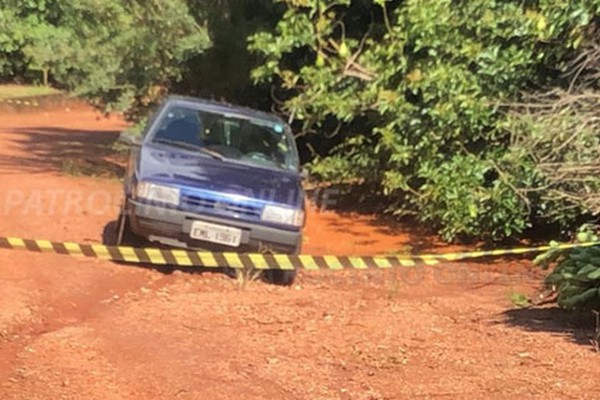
point(73, 328)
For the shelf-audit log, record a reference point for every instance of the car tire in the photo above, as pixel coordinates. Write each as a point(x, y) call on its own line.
point(118, 233)
point(283, 277)
point(124, 234)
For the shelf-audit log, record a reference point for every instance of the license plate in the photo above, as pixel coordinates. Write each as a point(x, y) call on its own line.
point(216, 233)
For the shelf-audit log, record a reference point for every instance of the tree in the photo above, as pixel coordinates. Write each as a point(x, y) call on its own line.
point(12, 37)
point(223, 71)
point(119, 54)
point(413, 92)
point(47, 48)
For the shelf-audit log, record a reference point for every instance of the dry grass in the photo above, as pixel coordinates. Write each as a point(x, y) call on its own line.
point(245, 276)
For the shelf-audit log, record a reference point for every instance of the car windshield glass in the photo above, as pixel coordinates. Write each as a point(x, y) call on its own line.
point(258, 142)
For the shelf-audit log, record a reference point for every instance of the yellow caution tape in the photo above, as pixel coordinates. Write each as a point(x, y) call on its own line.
point(186, 258)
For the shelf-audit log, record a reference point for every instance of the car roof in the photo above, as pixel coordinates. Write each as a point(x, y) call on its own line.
point(222, 108)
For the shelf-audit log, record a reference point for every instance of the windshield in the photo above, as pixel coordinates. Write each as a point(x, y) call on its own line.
point(228, 137)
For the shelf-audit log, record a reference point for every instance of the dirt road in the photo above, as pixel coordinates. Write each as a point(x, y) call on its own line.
point(81, 329)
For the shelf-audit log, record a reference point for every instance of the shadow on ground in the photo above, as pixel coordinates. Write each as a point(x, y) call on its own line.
point(71, 151)
point(349, 201)
point(577, 327)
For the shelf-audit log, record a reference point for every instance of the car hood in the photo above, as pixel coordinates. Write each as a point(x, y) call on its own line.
point(198, 171)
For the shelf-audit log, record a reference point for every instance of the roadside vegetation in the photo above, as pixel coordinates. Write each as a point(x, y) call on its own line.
point(428, 103)
point(19, 91)
point(576, 273)
point(117, 54)
point(477, 118)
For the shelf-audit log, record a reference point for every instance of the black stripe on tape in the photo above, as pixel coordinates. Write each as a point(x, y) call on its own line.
point(345, 262)
point(87, 251)
point(31, 245)
point(246, 261)
point(195, 259)
point(320, 261)
point(59, 248)
point(220, 259)
point(169, 257)
point(4, 243)
point(370, 262)
point(115, 254)
point(271, 261)
point(142, 255)
point(295, 261)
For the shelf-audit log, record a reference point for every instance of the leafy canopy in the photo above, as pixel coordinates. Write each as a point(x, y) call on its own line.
point(118, 53)
point(414, 90)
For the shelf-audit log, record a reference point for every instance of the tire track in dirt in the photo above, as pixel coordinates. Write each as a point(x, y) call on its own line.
point(42, 293)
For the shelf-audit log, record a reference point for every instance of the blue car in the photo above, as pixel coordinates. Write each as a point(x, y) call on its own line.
point(217, 177)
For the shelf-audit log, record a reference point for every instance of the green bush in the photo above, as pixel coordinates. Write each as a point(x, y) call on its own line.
point(433, 80)
point(119, 54)
point(359, 163)
point(575, 274)
point(464, 198)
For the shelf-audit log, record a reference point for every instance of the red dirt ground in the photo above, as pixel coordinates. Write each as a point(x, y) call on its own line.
point(80, 329)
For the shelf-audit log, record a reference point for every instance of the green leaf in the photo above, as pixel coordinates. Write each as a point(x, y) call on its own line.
point(594, 274)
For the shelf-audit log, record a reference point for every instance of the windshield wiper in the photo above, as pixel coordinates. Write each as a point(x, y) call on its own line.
point(212, 153)
point(190, 146)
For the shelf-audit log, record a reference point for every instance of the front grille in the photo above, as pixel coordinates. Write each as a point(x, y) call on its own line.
point(197, 203)
point(152, 226)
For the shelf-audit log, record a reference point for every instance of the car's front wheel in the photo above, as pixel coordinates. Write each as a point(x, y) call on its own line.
point(283, 277)
point(118, 233)
point(123, 230)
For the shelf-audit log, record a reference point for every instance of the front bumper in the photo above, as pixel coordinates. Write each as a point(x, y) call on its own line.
point(172, 227)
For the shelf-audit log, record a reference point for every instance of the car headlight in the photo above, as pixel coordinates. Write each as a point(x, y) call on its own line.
point(158, 193)
point(283, 215)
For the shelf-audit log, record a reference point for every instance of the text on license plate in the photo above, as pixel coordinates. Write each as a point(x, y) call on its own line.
point(216, 233)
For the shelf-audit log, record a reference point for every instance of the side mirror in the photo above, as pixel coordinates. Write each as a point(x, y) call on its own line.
point(304, 174)
point(130, 138)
